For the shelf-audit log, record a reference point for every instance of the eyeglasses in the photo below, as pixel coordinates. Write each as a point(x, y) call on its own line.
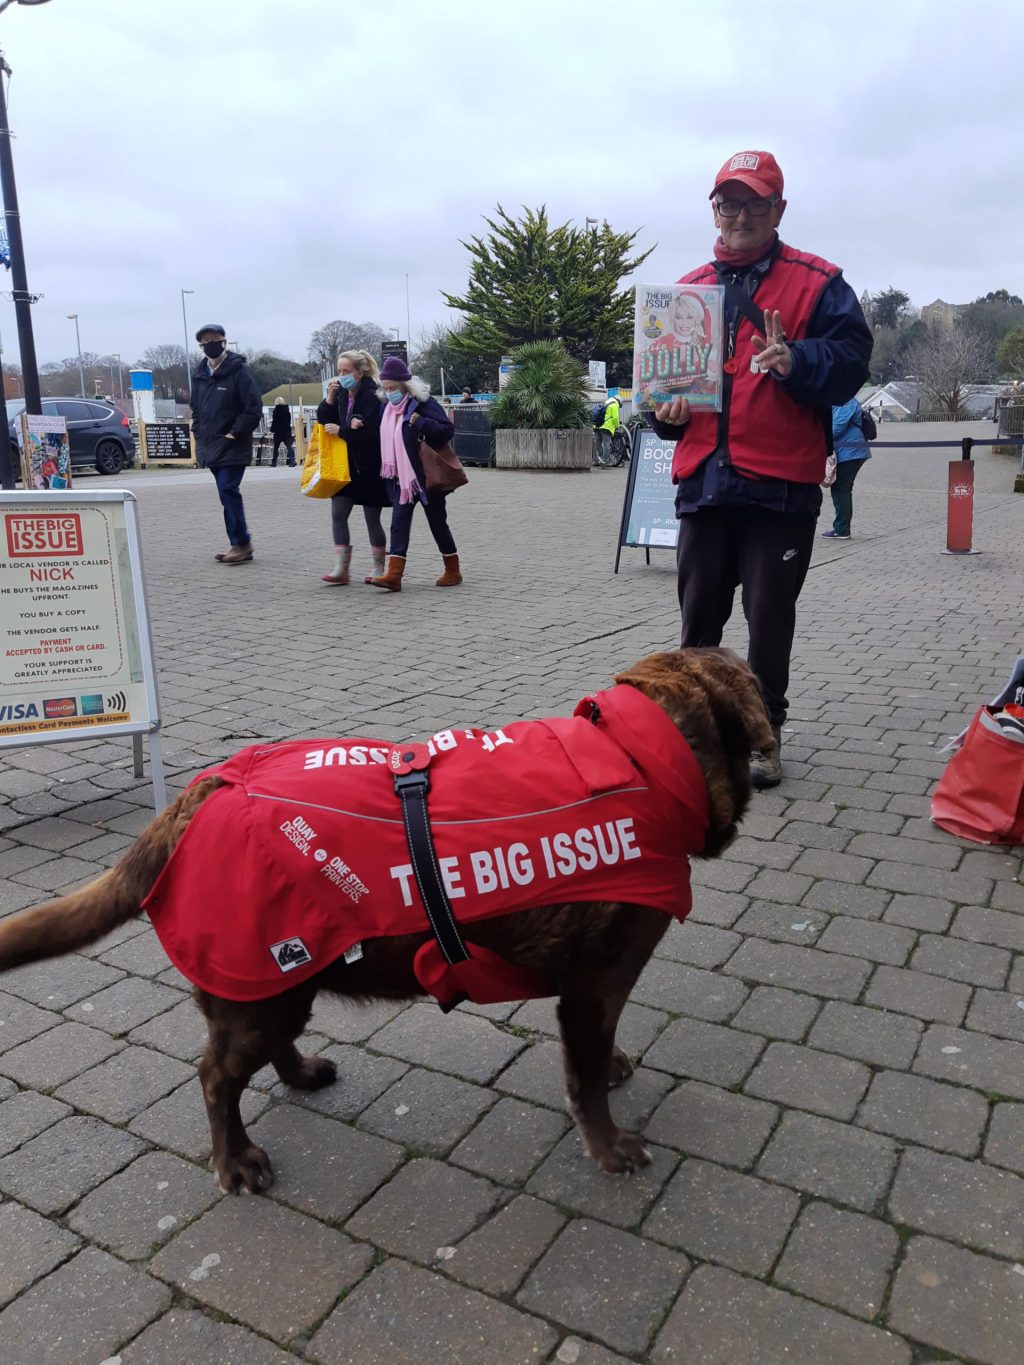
point(757, 208)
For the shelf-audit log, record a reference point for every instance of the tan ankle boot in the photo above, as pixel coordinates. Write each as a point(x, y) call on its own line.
point(339, 573)
point(392, 580)
point(379, 555)
point(452, 574)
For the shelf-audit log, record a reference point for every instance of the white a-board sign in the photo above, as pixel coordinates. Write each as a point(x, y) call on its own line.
point(76, 655)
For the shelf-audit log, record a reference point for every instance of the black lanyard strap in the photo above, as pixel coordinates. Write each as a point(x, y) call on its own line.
point(411, 788)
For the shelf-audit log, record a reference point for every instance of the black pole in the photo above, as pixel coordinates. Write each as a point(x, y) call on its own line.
point(22, 298)
point(6, 456)
point(966, 446)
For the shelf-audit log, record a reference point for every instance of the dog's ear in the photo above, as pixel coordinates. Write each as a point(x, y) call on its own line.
point(714, 699)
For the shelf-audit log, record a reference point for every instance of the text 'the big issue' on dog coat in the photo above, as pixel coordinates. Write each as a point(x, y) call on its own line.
point(303, 853)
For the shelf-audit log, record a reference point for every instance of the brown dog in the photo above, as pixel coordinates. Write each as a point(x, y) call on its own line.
point(593, 951)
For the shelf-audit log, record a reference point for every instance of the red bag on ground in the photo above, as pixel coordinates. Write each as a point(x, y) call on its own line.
point(980, 796)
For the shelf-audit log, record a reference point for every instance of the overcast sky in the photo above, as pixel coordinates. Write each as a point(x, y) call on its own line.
point(291, 161)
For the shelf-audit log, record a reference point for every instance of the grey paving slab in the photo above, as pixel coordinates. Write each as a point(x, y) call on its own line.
point(708, 1121)
point(472, 1049)
point(877, 1037)
point(427, 1111)
point(993, 1065)
point(705, 1052)
point(41, 1246)
point(263, 1264)
point(839, 1258)
point(921, 1110)
point(1004, 1145)
point(136, 1211)
point(321, 1166)
point(573, 1179)
point(25, 1114)
point(426, 1206)
point(497, 1256)
point(51, 1171)
point(125, 1084)
point(716, 1214)
point(723, 1319)
point(958, 1301)
point(830, 1159)
point(56, 984)
point(964, 1201)
point(605, 1282)
point(807, 1079)
point(184, 1335)
point(403, 1314)
point(84, 1310)
point(20, 1021)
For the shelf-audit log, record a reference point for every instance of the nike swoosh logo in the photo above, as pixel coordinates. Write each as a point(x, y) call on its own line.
point(790, 554)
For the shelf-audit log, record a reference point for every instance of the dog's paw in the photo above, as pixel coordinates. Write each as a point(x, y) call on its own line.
point(625, 1153)
point(620, 1068)
point(247, 1172)
point(314, 1074)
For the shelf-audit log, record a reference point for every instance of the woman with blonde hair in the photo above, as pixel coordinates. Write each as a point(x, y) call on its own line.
point(352, 410)
point(411, 417)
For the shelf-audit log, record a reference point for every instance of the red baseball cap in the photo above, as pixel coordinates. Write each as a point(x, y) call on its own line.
point(758, 170)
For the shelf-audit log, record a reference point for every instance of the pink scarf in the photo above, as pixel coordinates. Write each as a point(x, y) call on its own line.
point(730, 256)
point(394, 458)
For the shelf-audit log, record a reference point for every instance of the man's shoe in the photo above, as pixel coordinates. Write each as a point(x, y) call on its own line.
point(766, 768)
point(238, 554)
point(835, 535)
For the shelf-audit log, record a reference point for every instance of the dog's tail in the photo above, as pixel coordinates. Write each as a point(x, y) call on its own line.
point(72, 922)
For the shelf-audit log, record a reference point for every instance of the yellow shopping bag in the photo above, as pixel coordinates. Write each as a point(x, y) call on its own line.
point(325, 471)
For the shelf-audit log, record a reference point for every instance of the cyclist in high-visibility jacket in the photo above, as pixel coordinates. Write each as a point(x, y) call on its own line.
point(611, 423)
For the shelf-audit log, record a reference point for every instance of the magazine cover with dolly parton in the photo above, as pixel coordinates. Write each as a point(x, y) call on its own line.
point(677, 345)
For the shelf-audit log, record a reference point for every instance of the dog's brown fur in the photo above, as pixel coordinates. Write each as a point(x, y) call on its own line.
point(595, 952)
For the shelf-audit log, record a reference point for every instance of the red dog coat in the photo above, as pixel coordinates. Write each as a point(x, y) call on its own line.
point(303, 854)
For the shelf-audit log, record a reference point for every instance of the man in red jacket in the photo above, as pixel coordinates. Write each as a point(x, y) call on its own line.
point(748, 478)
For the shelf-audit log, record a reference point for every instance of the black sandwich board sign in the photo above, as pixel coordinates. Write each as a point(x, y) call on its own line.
point(649, 509)
point(398, 348)
point(166, 443)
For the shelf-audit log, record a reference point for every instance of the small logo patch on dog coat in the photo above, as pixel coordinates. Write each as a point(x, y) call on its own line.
point(290, 953)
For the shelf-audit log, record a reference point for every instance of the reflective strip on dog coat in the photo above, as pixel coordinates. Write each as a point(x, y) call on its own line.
point(302, 854)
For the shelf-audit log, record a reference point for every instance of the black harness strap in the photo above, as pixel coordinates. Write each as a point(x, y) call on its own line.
point(411, 789)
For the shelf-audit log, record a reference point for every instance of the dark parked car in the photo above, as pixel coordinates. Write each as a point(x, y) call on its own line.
point(99, 432)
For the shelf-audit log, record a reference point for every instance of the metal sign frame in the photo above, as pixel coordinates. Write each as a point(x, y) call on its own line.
point(138, 606)
point(639, 436)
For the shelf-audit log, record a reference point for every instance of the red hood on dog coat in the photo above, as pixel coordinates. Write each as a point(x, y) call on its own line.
point(303, 854)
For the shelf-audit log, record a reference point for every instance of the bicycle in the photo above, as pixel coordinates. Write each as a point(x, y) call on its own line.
point(610, 453)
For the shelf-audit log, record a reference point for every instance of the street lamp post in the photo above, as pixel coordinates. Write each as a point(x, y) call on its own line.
point(120, 376)
point(23, 300)
point(73, 317)
point(184, 318)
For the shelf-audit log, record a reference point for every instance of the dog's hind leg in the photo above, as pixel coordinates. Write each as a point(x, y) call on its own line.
point(303, 1073)
point(243, 1037)
point(588, 1012)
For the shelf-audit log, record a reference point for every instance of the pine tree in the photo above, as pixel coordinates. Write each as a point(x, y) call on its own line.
point(530, 281)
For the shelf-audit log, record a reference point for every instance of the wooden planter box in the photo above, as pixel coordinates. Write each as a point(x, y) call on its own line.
point(517, 448)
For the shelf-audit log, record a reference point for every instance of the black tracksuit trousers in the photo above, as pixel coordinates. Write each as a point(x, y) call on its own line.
point(766, 554)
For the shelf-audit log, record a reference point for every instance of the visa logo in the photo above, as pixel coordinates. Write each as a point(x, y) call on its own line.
point(20, 711)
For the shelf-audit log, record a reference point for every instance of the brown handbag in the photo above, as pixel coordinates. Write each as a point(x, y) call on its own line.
point(442, 469)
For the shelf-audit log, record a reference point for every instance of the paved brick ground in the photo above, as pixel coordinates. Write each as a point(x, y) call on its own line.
point(831, 1051)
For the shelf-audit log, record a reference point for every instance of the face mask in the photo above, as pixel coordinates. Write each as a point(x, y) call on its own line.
point(395, 396)
point(213, 349)
point(347, 381)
